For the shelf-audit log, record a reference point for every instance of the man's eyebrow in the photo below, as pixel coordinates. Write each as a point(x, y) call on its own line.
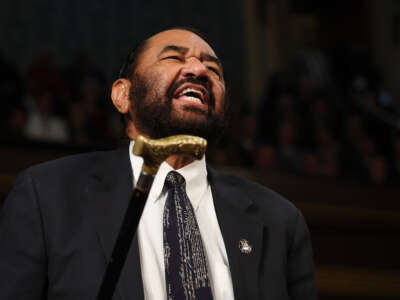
point(209, 57)
point(183, 50)
point(175, 48)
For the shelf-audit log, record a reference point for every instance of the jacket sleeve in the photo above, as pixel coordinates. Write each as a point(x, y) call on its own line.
point(22, 251)
point(301, 281)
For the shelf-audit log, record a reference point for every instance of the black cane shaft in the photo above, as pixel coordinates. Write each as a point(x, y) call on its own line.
point(125, 236)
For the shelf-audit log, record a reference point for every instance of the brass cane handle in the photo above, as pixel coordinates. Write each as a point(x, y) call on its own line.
point(154, 152)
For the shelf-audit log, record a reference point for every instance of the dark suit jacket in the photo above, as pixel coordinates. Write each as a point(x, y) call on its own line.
point(59, 224)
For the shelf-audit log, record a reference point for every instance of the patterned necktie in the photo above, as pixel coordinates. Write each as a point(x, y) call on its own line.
point(186, 272)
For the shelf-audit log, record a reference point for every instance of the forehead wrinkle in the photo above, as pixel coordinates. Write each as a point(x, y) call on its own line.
point(176, 48)
point(183, 50)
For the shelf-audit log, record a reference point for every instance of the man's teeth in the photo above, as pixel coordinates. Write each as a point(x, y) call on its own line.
point(190, 98)
point(191, 90)
point(192, 94)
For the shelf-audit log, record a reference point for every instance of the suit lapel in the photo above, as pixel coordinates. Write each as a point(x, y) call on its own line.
point(110, 192)
point(233, 207)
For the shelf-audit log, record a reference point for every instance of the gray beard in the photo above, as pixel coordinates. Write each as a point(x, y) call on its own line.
point(154, 117)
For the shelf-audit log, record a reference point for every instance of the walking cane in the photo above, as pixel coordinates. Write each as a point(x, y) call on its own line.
point(154, 152)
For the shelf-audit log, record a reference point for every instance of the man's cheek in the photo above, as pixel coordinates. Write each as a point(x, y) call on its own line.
point(219, 101)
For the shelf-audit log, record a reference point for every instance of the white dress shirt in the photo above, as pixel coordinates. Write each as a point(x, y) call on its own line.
point(150, 230)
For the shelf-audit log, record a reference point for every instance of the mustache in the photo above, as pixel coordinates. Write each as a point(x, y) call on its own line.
point(171, 90)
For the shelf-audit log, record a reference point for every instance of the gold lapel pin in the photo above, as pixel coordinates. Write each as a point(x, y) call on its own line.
point(244, 246)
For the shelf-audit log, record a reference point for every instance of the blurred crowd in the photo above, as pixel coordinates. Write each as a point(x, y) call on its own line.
point(325, 116)
point(46, 104)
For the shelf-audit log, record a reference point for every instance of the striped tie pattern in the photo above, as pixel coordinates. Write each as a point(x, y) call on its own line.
point(186, 271)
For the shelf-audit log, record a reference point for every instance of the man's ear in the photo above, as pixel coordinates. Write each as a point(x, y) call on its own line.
point(120, 95)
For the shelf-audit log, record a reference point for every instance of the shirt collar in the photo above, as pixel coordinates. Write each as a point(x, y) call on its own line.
point(195, 175)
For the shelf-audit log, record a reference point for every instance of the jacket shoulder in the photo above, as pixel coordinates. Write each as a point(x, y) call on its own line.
point(78, 163)
point(263, 198)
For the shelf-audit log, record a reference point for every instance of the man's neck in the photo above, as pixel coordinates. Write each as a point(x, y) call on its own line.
point(179, 161)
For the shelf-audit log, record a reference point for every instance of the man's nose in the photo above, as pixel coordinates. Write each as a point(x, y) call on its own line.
point(194, 68)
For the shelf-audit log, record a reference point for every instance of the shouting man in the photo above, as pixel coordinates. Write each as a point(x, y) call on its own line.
point(202, 235)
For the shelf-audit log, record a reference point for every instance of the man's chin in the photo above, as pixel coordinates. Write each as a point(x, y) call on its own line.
point(196, 123)
point(158, 121)
point(188, 114)
point(190, 111)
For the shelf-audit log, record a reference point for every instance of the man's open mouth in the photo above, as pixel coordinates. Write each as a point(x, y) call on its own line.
point(192, 92)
